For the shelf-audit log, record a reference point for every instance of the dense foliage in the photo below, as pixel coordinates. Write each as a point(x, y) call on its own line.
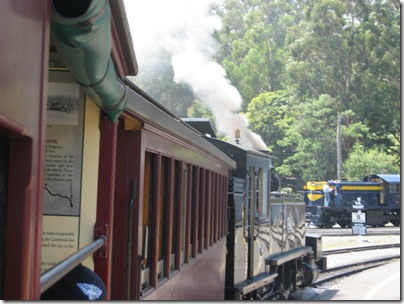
point(297, 64)
point(361, 163)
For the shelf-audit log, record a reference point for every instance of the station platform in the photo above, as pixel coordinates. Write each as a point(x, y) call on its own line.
point(376, 284)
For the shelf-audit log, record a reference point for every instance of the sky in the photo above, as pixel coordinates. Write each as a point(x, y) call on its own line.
point(184, 28)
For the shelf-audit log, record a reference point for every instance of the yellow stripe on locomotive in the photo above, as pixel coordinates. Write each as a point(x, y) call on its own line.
point(314, 191)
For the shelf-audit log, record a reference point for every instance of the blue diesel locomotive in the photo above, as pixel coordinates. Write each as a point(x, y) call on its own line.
point(379, 193)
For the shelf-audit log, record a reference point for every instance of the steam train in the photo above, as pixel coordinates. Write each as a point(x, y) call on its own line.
point(380, 194)
point(95, 171)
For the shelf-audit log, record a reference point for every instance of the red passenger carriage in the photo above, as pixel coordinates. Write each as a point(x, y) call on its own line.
point(145, 203)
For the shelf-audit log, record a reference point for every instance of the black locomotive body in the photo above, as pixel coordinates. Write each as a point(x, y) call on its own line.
point(267, 252)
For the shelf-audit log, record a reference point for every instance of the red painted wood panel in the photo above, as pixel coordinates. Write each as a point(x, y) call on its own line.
point(127, 220)
point(202, 279)
point(24, 32)
point(105, 199)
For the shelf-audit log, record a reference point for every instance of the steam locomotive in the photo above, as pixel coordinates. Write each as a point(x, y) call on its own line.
point(95, 171)
point(268, 253)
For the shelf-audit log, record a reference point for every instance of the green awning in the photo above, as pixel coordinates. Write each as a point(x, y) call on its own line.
point(81, 33)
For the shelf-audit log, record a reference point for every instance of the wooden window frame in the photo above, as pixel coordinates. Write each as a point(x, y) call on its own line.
point(202, 206)
point(196, 219)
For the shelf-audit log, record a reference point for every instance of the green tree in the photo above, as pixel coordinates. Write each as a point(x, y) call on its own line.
point(302, 136)
point(252, 43)
point(353, 131)
point(319, 61)
point(379, 82)
point(268, 116)
point(296, 65)
point(312, 141)
point(350, 51)
point(362, 162)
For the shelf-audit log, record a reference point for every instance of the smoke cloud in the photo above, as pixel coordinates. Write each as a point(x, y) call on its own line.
point(184, 28)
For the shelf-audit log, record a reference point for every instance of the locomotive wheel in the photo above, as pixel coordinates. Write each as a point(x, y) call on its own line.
point(345, 224)
point(309, 274)
point(342, 224)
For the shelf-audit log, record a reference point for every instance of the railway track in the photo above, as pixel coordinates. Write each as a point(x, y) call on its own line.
point(335, 273)
point(348, 269)
point(337, 231)
point(363, 248)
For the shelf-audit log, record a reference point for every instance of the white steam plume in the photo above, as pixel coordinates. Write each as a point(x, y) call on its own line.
point(185, 28)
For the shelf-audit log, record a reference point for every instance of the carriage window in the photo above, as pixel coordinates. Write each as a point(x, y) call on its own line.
point(163, 201)
point(207, 209)
point(224, 207)
point(212, 208)
point(175, 215)
point(189, 203)
point(215, 204)
point(202, 192)
point(225, 204)
point(221, 204)
point(184, 212)
point(147, 219)
point(194, 211)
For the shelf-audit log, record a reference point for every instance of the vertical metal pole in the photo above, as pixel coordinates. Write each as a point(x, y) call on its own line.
point(339, 154)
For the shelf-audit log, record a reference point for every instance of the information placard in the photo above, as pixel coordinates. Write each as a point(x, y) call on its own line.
point(358, 217)
point(63, 173)
point(358, 220)
point(359, 229)
point(63, 150)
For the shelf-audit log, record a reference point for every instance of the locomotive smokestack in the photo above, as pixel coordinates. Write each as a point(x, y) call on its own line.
point(237, 135)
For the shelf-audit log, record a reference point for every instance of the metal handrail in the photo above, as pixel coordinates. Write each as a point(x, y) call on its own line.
point(54, 274)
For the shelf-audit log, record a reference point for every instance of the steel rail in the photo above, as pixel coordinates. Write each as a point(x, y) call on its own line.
point(363, 248)
point(353, 268)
